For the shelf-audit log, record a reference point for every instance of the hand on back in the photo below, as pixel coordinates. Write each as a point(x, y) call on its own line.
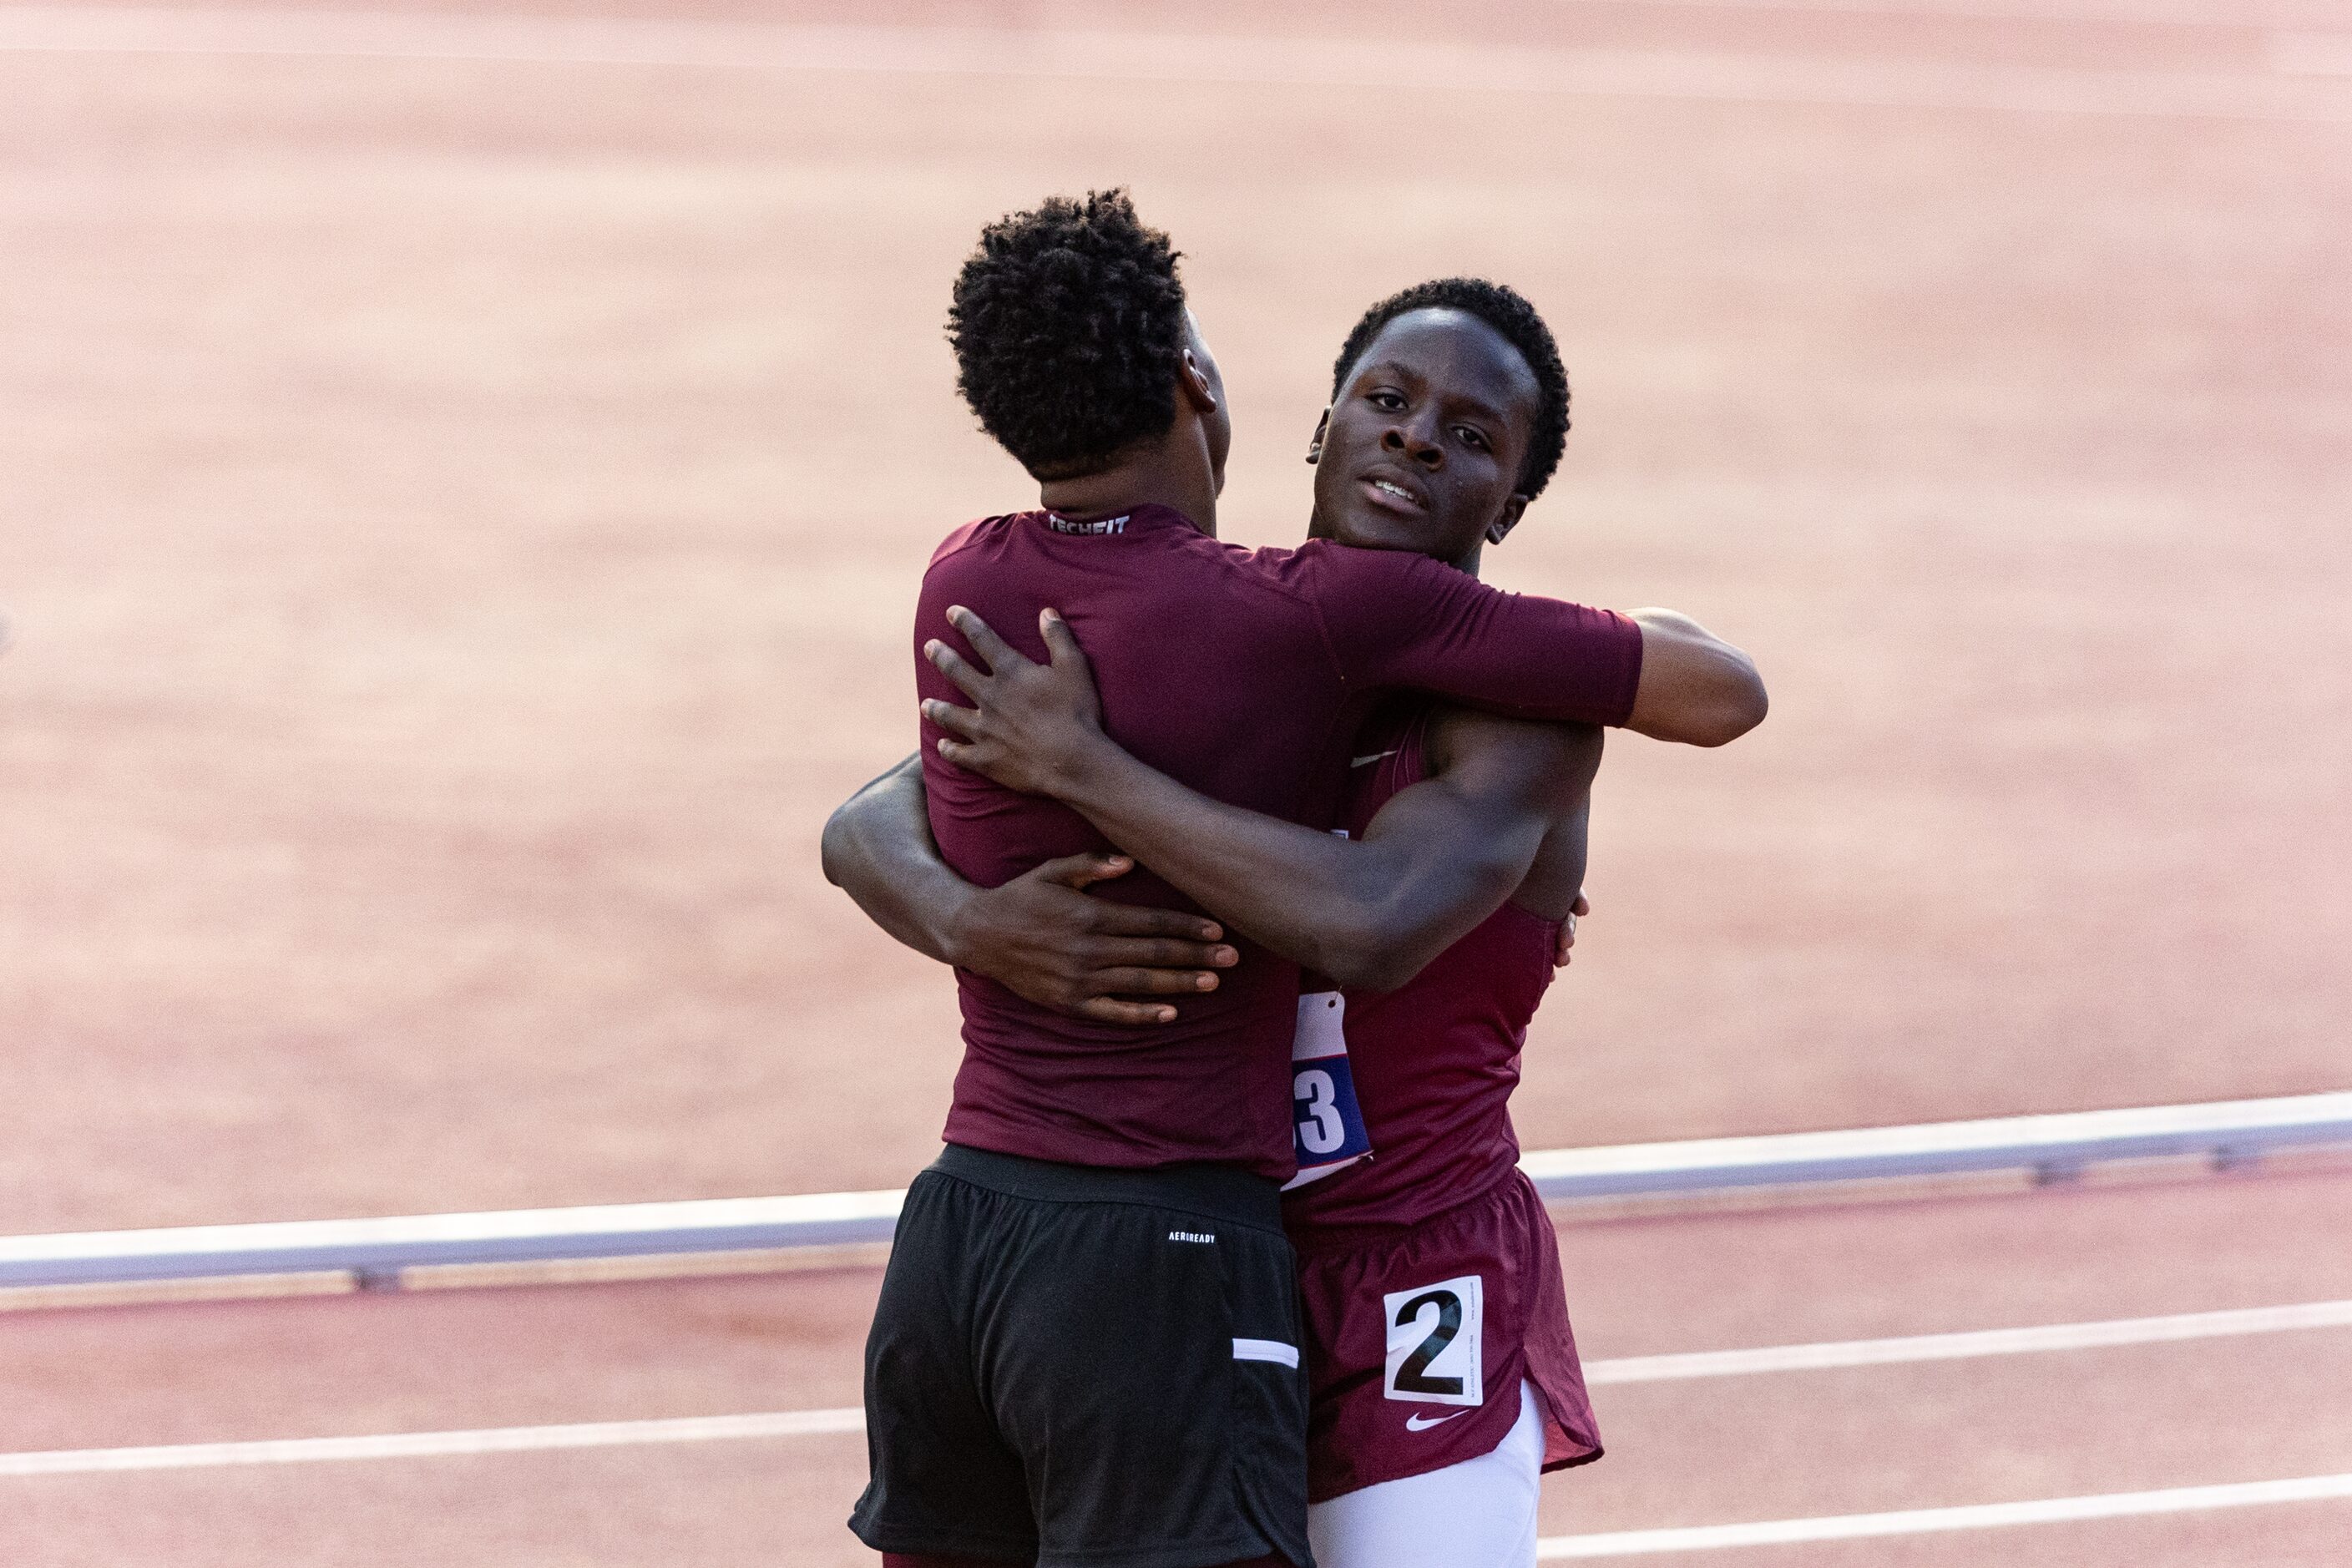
point(1036, 725)
point(1043, 937)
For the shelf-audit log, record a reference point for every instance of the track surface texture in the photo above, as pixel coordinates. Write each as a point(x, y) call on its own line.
point(462, 516)
point(461, 497)
point(1701, 1451)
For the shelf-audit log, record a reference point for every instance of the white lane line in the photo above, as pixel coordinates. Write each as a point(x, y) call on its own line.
point(1925, 1521)
point(1100, 55)
point(809, 1423)
point(1973, 1343)
point(429, 1445)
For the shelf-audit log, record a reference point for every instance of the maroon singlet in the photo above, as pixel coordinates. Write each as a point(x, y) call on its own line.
point(1441, 1199)
point(1244, 673)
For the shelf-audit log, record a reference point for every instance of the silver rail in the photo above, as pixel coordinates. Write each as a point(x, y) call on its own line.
point(376, 1250)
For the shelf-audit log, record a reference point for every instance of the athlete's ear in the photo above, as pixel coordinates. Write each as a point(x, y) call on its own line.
point(1314, 442)
point(1192, 381)
point(1508, 519)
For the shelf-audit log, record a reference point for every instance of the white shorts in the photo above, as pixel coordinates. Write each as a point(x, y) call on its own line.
point(1480, 1513)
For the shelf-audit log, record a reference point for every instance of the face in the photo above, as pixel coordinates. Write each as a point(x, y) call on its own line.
point(1421, 448)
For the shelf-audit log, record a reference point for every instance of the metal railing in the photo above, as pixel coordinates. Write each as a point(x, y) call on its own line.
point(2052, 1147)
point(377, 1250)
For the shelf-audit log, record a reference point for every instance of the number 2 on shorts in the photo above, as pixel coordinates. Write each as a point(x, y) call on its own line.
point(1434, 1334)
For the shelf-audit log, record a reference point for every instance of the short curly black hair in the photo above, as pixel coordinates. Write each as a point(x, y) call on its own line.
point(1506, 311)
point(1068, 330)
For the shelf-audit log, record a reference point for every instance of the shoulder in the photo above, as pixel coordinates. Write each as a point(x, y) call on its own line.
point(1368, 600)
point(973, 535)
point(1287, 570)
point(1273, 576)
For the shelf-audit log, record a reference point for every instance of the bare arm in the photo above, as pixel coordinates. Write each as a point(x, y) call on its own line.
point(877, 849)
point(1437, 859)
point(1696, 687)
point(1038, 935)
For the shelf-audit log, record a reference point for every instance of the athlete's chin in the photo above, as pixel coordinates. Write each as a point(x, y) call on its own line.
point(1366, 529)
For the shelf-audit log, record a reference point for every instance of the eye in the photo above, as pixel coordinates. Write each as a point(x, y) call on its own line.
point(1474, 437)
point(1384, 399)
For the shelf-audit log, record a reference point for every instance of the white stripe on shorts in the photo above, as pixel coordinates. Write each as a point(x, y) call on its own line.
point(1266, 1349)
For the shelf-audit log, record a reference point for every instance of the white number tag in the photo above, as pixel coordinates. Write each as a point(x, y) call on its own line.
point(1326, 1123)
point(1434, 1334)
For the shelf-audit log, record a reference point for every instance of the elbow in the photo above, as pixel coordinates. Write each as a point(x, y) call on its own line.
point(1696, 688)
point(833, 849)
point(1739, 708)
point(1715, 711)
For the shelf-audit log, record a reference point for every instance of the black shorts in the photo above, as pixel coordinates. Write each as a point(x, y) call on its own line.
point(1086, 1368)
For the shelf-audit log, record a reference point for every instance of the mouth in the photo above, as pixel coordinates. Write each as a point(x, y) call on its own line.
point(1395, 494)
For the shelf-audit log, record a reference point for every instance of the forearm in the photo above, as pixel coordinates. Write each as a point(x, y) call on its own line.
point(1360, 913)
point(878, 849)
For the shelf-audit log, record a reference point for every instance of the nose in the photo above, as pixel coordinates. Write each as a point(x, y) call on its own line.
point(1414, 445)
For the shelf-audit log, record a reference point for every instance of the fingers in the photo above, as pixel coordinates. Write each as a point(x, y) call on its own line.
point(1154, 982)
point(1061, 643)
point(1084, 870)
point(1583, 906)
point(998, 654)
point(1561, 953)
point(1141, 919)
point(1188, 939)
point(951, 664)
point(961, 723)
point(1104, 1009)
point(1156, 952)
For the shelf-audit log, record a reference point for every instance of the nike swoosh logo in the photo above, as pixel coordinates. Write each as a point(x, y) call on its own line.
point(1423, 1423)
point(1376, 756)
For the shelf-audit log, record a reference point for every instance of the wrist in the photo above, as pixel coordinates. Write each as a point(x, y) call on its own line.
point(949, 918)
point(1087, 771)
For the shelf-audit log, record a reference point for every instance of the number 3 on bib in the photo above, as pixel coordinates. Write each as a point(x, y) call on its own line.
point(1327, 1125)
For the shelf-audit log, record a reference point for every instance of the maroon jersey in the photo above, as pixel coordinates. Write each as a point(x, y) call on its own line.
point(1435, 1061)
point(1244, 673)
point(1430, 1271)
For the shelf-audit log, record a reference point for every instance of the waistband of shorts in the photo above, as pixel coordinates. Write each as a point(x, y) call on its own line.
point(1227, 1193)
point(1319, 1239)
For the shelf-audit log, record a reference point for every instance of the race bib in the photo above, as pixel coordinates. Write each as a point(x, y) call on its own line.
point(1327, 1125)
point(1434, 1334)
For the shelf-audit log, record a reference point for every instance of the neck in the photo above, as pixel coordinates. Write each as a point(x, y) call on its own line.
point(1468, 560)
point(1180, 480)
